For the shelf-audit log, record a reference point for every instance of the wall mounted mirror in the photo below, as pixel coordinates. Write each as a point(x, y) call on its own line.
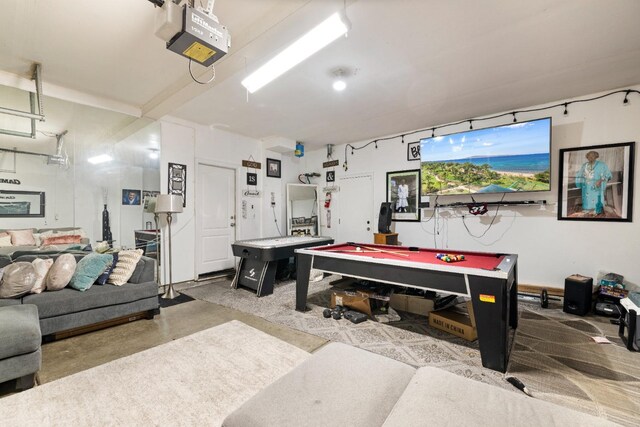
point(302, 209)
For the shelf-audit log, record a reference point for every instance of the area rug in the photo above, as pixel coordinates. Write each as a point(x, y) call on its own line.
point(554, 354)
point(195, 380)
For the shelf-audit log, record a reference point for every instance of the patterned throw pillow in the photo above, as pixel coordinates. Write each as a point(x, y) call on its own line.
point(127, 261)
point(22, 237)
point(61, 272)
point(89, 268)
point(17, 280)
point(102, 280)
point(42, 267)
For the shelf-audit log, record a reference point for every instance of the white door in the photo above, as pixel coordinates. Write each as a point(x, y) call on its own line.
point(356, 209)
point(215, 210)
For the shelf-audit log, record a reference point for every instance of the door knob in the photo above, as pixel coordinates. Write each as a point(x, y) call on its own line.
point(368, 222)
point(368, 228)
point(232, 224)
point(232, 216)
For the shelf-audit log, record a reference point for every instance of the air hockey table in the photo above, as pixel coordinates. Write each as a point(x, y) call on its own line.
point(259, 259)
point(489, 279)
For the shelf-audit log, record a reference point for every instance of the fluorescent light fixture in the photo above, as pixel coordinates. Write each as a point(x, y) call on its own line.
point(323, 34)
point(102, 158)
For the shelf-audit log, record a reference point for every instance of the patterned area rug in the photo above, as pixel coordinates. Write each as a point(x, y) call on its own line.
point(554, 354)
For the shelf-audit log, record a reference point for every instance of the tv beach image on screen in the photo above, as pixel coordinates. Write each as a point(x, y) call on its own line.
point(501, 159)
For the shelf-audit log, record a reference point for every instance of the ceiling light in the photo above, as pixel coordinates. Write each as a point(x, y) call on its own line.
point(153, 153)
point(320, 36)
point(339, 85)
point(102, 158)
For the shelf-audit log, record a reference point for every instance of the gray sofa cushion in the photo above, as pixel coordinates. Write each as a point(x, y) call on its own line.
point(10, 301)
point(19, 330)
point(69, 300)
point(340, 385)
point(438, 398)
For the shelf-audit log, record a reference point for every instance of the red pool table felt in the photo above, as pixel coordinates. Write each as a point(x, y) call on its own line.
point(481, 260)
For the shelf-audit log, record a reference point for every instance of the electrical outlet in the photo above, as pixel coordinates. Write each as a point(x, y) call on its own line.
point(273, 198)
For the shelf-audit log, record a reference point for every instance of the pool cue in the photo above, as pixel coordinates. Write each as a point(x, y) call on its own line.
point(382, 250)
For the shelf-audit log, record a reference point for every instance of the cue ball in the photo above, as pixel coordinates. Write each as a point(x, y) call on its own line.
point(358, 249)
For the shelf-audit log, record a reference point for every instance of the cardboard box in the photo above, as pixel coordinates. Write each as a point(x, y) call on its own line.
point(415, 304)
point(456, 322)
point(364, 301)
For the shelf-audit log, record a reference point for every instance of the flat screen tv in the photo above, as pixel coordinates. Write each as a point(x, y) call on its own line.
point(501, 159)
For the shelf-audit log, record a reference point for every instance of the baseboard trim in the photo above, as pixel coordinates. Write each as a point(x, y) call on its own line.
point(537, 289)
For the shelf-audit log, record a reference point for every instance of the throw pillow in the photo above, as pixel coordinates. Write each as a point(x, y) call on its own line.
point(102, 280)
point(57, 240)
point(127, 261)
point(89, 269)
point(39, 237)
point(22, 237)
point(42, 267)
point(61, 272)
point(5, 239)
point(17, 280)
point(73, 232)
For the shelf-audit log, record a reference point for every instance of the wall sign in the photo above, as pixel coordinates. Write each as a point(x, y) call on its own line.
point(331, 176)
point(178, 181)
point(10, 181)
point(413, 151)
point(252, 178)
point(331, 163)
point(251, 164)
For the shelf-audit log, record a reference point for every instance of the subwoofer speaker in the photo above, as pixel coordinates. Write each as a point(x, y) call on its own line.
point(384, 219)
point(578, 294)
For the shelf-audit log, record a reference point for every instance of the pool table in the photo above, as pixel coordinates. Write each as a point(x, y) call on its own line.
point(489, 279)
point(259, 259)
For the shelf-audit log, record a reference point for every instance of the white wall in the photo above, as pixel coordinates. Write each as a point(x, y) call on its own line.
point(190, 144)
point(549, 250)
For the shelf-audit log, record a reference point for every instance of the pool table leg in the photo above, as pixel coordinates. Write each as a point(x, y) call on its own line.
point(490, 307)
point(302, 281)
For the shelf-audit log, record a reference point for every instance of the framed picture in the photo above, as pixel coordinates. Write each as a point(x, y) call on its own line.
point(178, 181)
point(130, 197)
point(403, 192)
point(596, 183)
point(273, 168)
point(413, 150)
point(17, 204)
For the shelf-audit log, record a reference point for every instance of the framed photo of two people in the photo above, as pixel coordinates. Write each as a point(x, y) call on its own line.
point(596, 183)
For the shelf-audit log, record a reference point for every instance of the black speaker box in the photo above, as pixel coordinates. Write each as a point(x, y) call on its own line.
point(384, 219)
point(578, 294)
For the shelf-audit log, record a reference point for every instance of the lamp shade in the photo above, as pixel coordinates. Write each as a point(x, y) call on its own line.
point(168, 203)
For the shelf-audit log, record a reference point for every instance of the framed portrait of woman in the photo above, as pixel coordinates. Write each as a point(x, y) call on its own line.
point(403, 191)
point(596, 183)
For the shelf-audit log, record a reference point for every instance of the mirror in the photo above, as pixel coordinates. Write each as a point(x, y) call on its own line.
point(102, 156)
point(302, 209)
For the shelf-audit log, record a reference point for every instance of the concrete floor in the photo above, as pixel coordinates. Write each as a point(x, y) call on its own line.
point(75, 354)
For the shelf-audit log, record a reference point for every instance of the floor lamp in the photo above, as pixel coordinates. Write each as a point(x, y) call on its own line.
point(169, 204)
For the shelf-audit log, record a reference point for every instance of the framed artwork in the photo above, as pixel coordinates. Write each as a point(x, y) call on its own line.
point(403, 193)
point(130, 197)
point(17, 204)
point(178, 181)
point(413, 150)
point(273, 168)
point(596, 183)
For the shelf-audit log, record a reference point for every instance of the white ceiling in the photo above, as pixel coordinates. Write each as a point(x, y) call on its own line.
point(416, 63)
